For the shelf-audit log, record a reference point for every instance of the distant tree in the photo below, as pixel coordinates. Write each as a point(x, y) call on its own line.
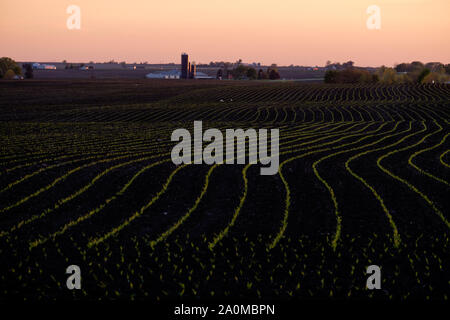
point(417, 65)
point(415, 72)
point(338, 66)
point(387, 75)
point(348, 64)
point(262, 75)
point(28, 70)
point(402, 67)
point(273, 74)
point(331, 76)
point(9, 64)
point(375, 78)
point(252, 74)
point(9, 74)
point(434, 66)
point(425, 72)
point(239, 72)
point(447, 68)
point(350, 75)
point(219, 74)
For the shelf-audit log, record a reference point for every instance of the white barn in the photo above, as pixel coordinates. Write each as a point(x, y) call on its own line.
point(174, 74)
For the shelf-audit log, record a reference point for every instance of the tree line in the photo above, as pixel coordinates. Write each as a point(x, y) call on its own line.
point(414, 72)
point(242, 72)
point(9, 69)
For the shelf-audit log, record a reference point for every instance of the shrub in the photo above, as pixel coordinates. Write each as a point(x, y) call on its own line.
point(423, 74)
point(252, 74)
point(28, 70)
point(7, 64)
point(273, 74)
point(388, 75)
point(331, 76)
point(9, 75)
point(350, 75)
point(435, 77)
point(240, 72)
point(262, 75)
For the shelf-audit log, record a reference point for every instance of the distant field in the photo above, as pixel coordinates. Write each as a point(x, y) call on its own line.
point(86, 179)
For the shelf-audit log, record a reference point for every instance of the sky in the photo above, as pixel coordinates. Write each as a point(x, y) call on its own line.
point(268, 31)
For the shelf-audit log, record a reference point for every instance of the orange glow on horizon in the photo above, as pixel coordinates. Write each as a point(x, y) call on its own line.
point(283, 32)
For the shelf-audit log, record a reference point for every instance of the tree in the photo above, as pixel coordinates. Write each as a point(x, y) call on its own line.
point(434, 66)
point(9, 75)
point(9, 64)
point(262, 75)
point(219, 74)
point(402, 67)
point(239, 72)
point(251, 73)
point(29, 70)
point(375, 78)
point(436, 77)
point(422, 75)
point(348, 65)
point(417, 65)
point(388, 75)
point(273, 74)
point(447, 68)
point(352, 75)
point(331, 76)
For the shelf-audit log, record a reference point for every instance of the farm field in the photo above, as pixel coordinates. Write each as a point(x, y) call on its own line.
point(86, 178)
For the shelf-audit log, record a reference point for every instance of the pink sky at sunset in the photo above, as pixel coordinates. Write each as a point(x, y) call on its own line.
point(267, 31)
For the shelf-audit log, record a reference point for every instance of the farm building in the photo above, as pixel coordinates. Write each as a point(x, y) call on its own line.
point(43, 66)
point(174, 74)
point(201, 75)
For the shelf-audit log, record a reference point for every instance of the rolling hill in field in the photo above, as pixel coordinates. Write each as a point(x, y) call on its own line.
point(87, 179)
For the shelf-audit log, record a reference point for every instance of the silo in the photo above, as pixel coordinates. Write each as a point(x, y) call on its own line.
point(184, 66)
point(193, 71)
